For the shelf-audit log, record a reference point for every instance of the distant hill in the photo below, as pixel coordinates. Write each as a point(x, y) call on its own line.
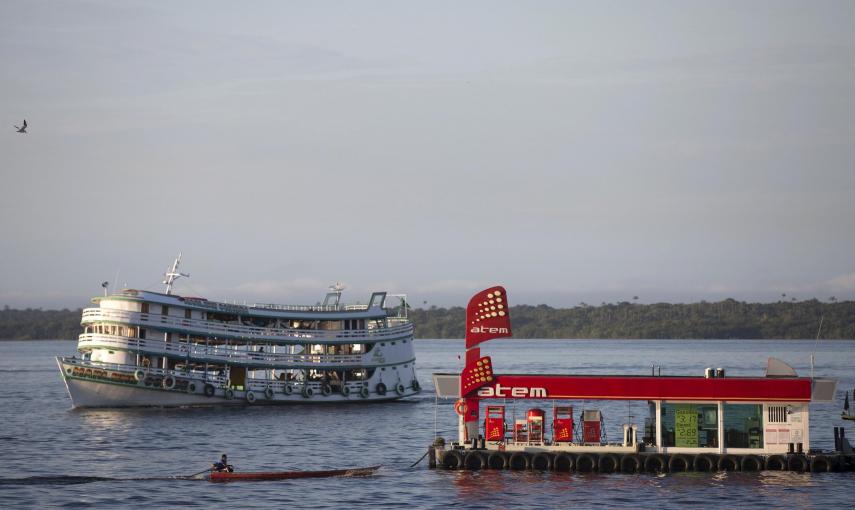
point(723, 319)
point(38, 324)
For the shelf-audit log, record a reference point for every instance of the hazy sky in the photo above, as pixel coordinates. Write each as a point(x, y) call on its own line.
point(572, 151)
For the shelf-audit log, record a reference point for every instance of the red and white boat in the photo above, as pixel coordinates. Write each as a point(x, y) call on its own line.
point(705, 422)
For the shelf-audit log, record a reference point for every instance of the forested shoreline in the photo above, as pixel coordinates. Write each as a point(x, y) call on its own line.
point(704, 320)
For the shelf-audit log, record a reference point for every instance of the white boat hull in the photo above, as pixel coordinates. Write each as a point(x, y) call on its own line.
point(96, 393)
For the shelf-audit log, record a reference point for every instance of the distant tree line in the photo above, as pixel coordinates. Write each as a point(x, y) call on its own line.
point(38, 324)
point(723, 319)
point(718, 320)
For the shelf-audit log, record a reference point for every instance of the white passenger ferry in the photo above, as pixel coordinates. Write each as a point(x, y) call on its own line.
point(141, 348)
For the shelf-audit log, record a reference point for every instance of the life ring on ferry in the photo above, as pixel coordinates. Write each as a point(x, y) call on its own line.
point(307, 392)
point(149, 381)
point(364, 392)
point(345, 390)
point(460, 407)
point(191, 388)
point(268, 393)
point(139, 375)
point(250, 397)
point(326, 390)
point(209, 390)
point(416, 385)
point(168, 382)
point(288, 389)
point(380, 389)
point(399, 389)
point(230, 394)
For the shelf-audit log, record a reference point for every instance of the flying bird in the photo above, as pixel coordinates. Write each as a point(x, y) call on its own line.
point(22, 129)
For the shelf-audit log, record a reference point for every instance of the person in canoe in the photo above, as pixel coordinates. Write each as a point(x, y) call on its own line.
point(222, 465)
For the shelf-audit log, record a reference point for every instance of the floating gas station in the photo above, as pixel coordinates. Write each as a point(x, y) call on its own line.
point(708, 422)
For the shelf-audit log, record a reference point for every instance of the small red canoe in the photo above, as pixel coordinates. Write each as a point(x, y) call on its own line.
point(287, 475)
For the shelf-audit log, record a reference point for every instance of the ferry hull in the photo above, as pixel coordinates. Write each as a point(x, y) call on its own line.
point(96, 393)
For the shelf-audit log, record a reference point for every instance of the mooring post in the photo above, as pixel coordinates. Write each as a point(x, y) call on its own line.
point(432, 456)
point(836, 440)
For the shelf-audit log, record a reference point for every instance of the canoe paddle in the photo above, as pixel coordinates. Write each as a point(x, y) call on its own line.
point(197, 474)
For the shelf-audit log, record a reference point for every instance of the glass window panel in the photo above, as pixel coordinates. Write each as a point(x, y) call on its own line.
point(743, 425)
point(690, 425)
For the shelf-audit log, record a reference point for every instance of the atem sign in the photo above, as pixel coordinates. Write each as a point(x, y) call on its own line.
point(484, 329)
point(500, 391)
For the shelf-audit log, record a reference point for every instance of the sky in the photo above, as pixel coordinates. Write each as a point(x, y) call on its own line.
point(571, 151)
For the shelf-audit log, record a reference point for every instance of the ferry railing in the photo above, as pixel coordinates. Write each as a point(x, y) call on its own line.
point(232, 308)
point(221, 353)
point(214, 328)
point(254, 384)
point(119, 367)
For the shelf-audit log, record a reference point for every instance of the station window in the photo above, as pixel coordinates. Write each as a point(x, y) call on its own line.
point(743, 425)
point(690, 425)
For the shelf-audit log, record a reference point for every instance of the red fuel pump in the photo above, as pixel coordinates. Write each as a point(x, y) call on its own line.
point(535, 418)
point(562, 424)
point(494, 423)
point(592, 427)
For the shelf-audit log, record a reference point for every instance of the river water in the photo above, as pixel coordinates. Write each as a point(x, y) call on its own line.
point(49, 450)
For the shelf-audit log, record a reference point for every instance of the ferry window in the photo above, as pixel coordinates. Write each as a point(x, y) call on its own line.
point(187, 313)
point(164, 310)
point(142, 333)
point(690, 425)
point(145, 308)
point(743, 425)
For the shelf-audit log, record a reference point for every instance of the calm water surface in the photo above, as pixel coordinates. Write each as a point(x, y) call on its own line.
point(42, 438)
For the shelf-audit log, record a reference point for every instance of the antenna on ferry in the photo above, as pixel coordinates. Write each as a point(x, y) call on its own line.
point(105, 285)
point(172, 274)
